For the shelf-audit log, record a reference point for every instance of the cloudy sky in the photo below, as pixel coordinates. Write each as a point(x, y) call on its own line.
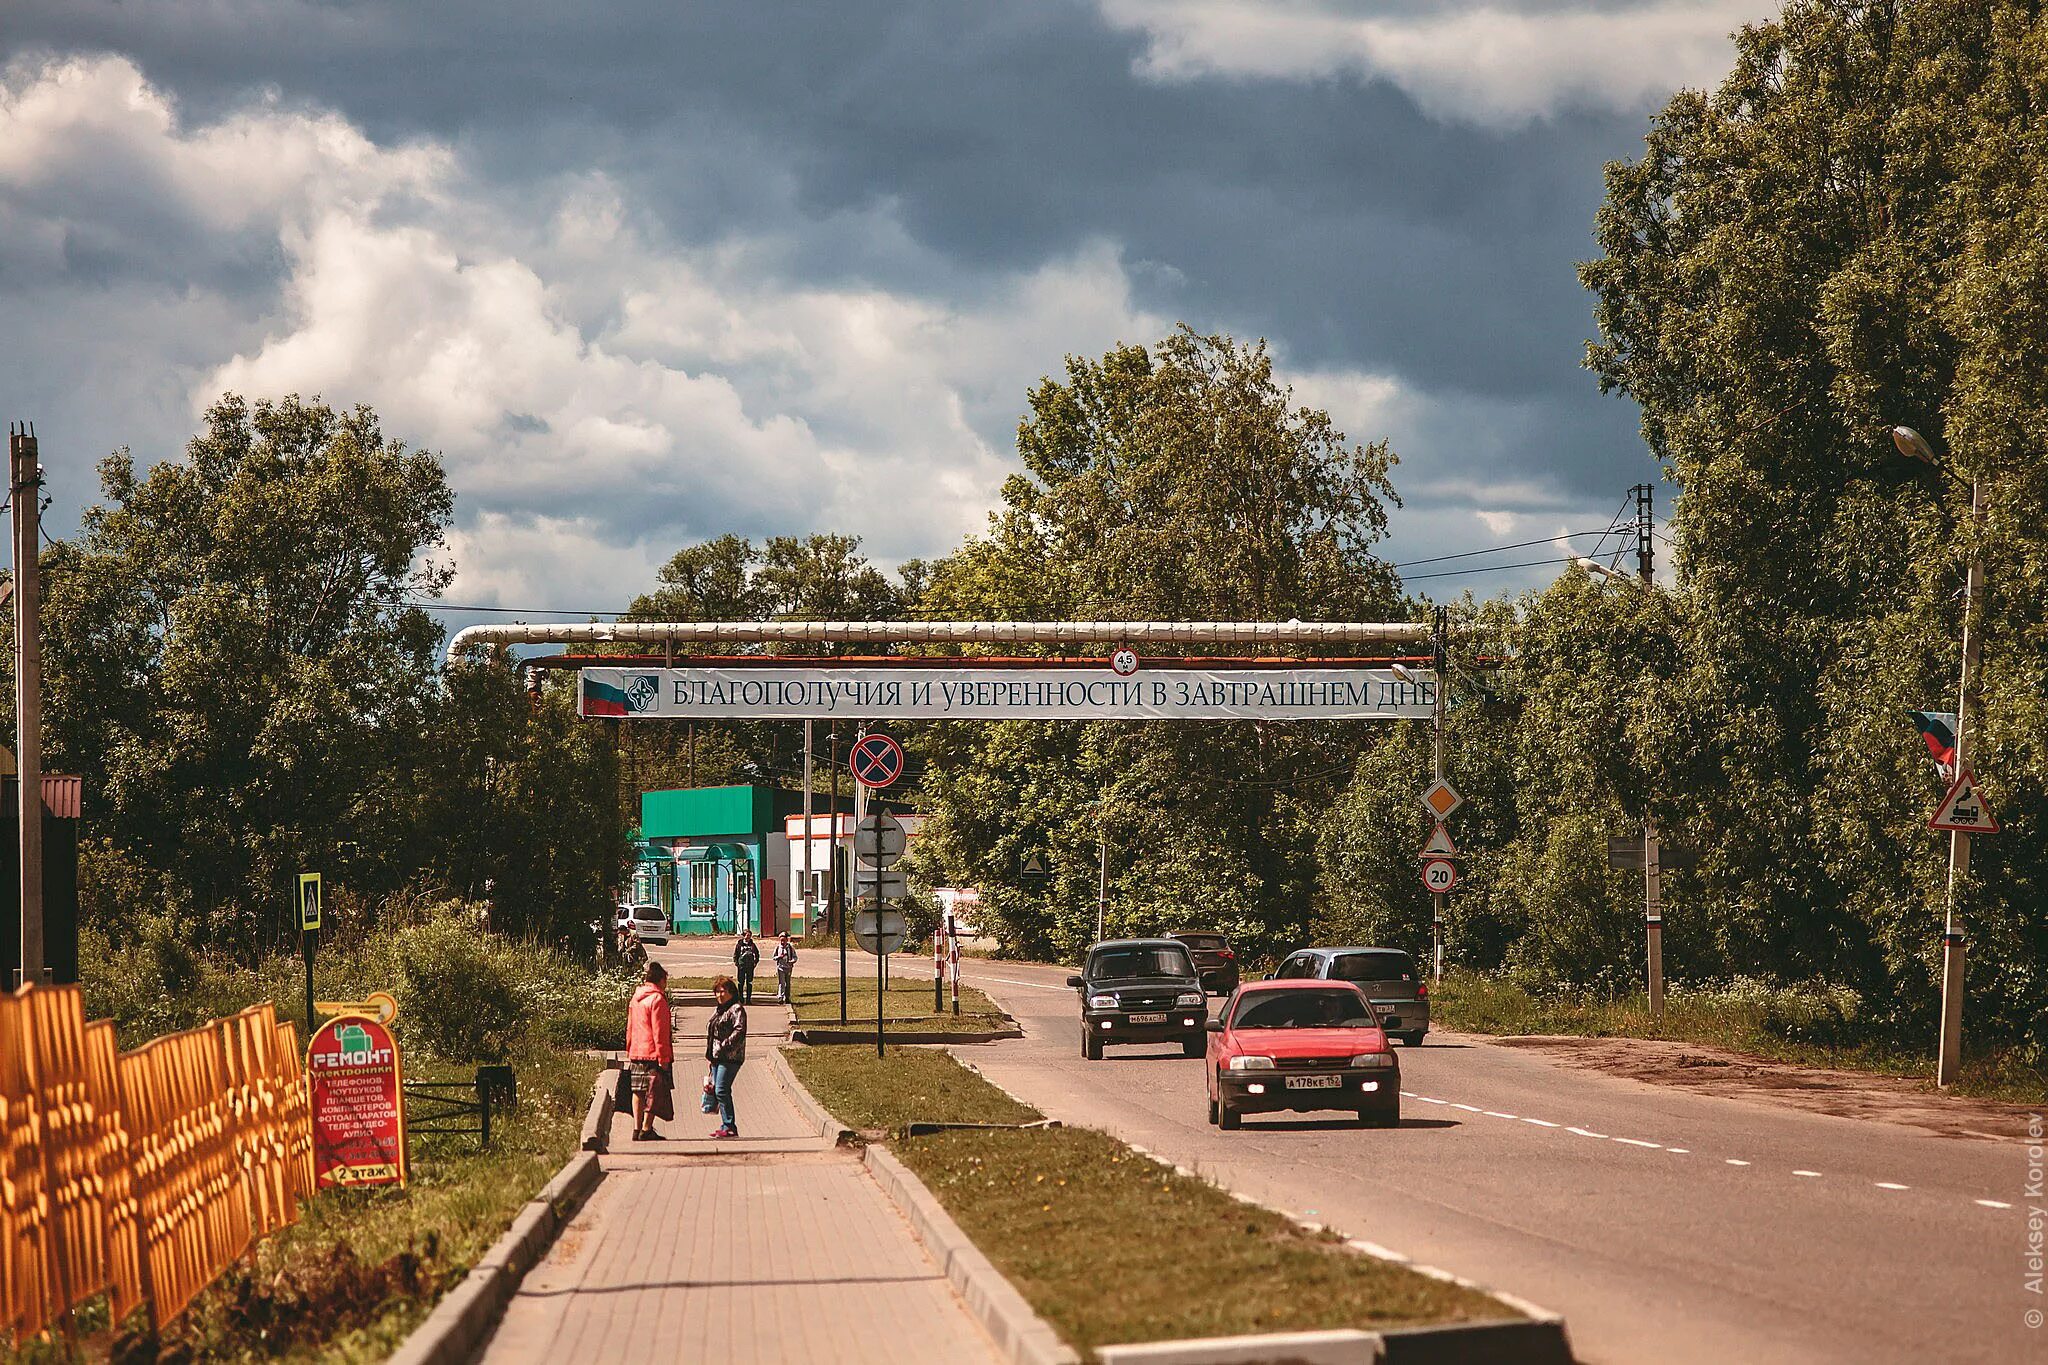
point(645, 271)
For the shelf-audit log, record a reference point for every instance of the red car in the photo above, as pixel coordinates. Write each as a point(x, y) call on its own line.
point(1287, 1046)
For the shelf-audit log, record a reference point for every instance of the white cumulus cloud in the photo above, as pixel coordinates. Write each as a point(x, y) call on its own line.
point(1481, 63)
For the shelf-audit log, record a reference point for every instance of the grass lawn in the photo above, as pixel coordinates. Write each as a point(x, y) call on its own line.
point(1066, 1213)
point(362, 1268)
point(1758, 1026)
point(907, 1006)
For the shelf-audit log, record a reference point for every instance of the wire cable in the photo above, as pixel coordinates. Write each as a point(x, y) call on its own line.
point(1491, 549)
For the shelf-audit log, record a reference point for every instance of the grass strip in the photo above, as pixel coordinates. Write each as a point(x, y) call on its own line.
point(1775, 1024)
point(1067, 1213)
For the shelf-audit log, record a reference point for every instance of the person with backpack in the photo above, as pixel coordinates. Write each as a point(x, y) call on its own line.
point(725, 1047)
point(785, 964)
point(746, 955)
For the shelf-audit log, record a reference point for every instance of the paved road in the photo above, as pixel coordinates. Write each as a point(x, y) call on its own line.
point(1666, 1226)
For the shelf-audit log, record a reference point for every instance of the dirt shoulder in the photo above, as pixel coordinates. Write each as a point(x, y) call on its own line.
point(1709, 1070)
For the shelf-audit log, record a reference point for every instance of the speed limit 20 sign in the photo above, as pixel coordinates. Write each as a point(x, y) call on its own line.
point(1439, 874)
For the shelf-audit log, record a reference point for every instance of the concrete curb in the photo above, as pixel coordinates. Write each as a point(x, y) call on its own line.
point(468, 1312)
point(1020, 1335)
point(836, 1036)
point(813, 1113)
point(1341, 1346)
point(597, 1124)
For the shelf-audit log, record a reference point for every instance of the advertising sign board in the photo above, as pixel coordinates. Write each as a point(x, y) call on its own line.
point(358, 1104)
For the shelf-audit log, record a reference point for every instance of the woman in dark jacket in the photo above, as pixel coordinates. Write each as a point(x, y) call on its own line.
point(725, 1047)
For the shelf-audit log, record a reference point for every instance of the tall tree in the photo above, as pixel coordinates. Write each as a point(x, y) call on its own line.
point(236, 662)
point(1176, 481)
point(1846, 235)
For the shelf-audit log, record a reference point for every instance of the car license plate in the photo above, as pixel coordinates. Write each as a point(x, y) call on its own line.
point(1148, 1018)
point(1314, 1082)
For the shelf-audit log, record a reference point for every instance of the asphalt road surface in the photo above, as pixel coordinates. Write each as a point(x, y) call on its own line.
point(1666, 1226)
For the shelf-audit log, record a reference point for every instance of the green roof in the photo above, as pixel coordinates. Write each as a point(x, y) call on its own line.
point(699, 812)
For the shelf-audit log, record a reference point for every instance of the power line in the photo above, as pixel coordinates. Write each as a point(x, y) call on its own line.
point(1492, 549)
point(1489, 568)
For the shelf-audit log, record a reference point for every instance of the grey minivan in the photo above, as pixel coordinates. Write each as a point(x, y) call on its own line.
point(1388, 977)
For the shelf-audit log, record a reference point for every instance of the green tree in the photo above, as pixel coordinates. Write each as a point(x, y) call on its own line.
point(1846, 235)
point(235, 661)
point(1177, 481)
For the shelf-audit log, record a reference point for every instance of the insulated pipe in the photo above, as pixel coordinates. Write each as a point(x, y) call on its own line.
point(948, 632)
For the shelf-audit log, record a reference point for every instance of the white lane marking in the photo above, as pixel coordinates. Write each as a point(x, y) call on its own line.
point(1427, 1100)
point(1468, 1108)
point(1888, 1185)
point(1583, 1133)
point(1012, 981)
point(1733, 1162)
point(1814, 1174)
point(1994, 1203)
point(1541, 1123)
point(1638, 1142)
point(1410, 1095)
point(1496, 1114)
point(1679, 1151)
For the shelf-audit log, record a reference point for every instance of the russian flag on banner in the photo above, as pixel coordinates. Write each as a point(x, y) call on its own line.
point(602, 699)
point(1938, 728)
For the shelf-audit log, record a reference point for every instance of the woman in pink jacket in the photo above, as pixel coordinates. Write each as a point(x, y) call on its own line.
point(650, 1049)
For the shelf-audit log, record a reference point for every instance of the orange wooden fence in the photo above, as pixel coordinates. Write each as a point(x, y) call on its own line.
point(140, 1174)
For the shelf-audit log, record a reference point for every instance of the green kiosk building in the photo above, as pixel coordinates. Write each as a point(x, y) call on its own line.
point(710, 857)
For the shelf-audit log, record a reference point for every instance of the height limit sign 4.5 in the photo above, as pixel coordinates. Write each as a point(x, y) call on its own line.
point(876, 761)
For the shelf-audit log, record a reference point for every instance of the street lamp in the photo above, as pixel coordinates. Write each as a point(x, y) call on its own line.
point(1599, 570)
point(1914, 446)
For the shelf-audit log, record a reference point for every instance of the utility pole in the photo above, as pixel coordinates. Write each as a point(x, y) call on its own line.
point(1653, 877)
point(833, 910)
point(26, 483)
point(1101, 875)
point(802, 890)
point(1948, 1066)
point(1439, 657)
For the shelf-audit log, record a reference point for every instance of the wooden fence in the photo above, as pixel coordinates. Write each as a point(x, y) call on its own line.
point(144, 1174)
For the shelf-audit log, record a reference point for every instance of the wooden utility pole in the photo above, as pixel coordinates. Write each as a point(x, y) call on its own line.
point(26, 484)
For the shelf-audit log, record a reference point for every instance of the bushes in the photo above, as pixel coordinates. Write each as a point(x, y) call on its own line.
point(463, 995)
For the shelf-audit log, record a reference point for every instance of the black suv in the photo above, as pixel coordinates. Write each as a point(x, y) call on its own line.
point(1215, 963)
point(1141, 990)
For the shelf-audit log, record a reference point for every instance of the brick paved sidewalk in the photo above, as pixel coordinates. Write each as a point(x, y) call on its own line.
point(775, 1248)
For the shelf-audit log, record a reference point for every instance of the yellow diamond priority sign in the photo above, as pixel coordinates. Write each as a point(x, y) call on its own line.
point(1441, 798)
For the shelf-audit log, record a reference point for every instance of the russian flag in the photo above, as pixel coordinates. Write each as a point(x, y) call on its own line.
point(1938, 728)
point(602, 699)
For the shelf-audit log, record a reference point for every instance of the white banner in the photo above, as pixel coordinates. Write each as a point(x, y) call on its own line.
point(954, 693)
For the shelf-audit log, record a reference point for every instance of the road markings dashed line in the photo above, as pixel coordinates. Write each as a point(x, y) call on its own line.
point(1888, 1185)
point(1814, 1174)
point(1679, 1151)
point(1732, 1161)
point(1541, 1123)
point(1994, 1203)
point(1634, 1142)
point(1583, 1133)
point(1468, 1108)
point(1496, 1114)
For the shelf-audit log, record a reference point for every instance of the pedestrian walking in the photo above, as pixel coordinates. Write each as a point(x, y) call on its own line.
point(746, 955)
point(725, 1047)
point(651, 1053)
point(785, 964)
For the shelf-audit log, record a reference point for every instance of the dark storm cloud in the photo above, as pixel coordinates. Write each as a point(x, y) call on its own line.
point(1329, 213)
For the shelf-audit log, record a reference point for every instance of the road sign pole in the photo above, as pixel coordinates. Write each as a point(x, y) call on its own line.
point(1949, 1063)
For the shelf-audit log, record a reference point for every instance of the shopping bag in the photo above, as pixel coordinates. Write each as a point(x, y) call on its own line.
point(710, 1094)
point(661, 1094)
